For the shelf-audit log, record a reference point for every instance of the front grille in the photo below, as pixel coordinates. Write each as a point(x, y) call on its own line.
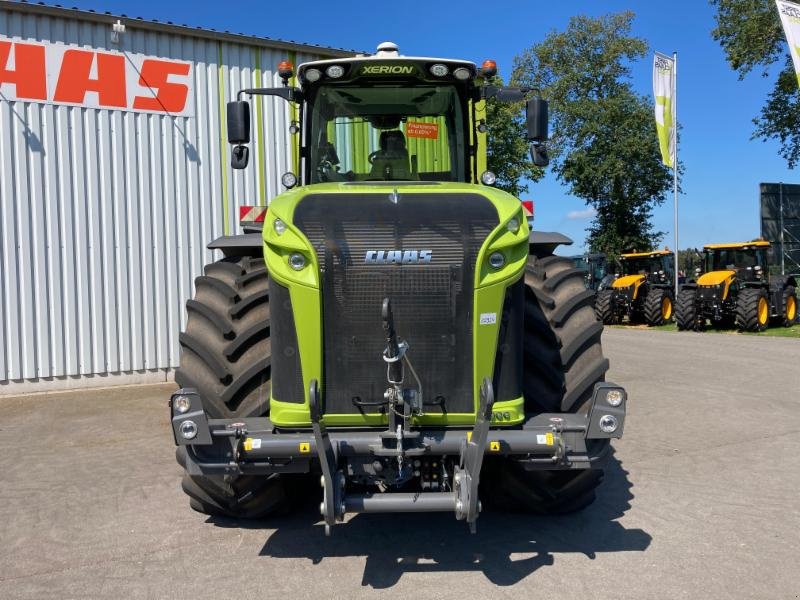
point(432, 302)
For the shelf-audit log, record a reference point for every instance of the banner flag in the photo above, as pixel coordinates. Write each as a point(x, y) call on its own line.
point(664, 92)
point(790, 17)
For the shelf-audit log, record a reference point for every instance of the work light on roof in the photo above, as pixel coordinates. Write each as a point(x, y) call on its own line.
point(439, 70)
point(335, 71)
point(312, 75)
point(461, 74)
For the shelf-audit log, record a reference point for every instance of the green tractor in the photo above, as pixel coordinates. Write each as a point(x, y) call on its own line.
point(736, 289)
point(395, 330)
point(643, 291)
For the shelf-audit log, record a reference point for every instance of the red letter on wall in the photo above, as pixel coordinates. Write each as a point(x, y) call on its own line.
point(29, 75)
point(170, 97)
point(75, 80)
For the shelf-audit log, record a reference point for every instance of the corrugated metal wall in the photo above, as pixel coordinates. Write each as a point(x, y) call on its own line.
point(104, 215)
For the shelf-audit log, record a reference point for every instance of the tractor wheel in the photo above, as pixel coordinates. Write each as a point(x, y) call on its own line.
point(604, 307)
point(789, 306)
point(658, 307)
point(225, 356)
point(563, 361)
point(686, 310)
point(752, 309)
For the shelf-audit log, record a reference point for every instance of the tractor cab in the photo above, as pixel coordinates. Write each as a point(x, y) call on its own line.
point(389, 117)
point(656, 267)
point(746, 261)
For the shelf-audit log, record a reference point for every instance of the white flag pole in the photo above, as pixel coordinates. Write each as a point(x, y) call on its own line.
point(675, 161)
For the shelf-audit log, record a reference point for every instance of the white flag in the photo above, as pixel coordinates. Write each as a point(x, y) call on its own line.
point(790, 17)
point(664, 92)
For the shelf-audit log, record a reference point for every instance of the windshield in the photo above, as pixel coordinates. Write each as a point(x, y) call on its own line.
point(389, 133)
point(638, 266)
point(729, 259)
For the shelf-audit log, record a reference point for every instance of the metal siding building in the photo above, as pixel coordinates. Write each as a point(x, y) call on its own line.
point(105, 214)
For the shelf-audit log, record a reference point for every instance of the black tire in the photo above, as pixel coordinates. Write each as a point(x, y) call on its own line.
point(658, 307)
point(750, 314)
point(604, 307)
point(789, 306)
point(686, 310)
point(225, 356)
point(563, 361)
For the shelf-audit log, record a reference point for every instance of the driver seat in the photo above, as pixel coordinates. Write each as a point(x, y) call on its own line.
point(392, 156)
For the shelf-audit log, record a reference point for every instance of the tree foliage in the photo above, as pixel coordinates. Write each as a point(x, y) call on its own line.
point(507, 149)
point(604, 145)
point(752, 37)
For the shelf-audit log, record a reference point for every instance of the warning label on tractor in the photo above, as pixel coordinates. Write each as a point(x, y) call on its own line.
point(428, 131)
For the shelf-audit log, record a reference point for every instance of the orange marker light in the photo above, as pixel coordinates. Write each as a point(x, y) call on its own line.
point(489, 68)
point(285, 69)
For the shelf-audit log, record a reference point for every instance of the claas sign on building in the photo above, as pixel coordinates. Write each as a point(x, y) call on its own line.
point(56, 73)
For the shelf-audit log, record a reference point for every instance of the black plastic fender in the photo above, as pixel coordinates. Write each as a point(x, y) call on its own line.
point(545, 242)
point(246, 244)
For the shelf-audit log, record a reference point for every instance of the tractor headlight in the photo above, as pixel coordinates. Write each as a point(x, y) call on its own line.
point(312, 75)
point(608, 424)
point(513, 225)
point(297, 261)
point(614, 397)
point(461, 74)
point(488, 178)
point(181, 404)
point(289, 180)
point(188, 430)
point(439, 70)
point(497, 260)
point(335, 71)
point(279, 226)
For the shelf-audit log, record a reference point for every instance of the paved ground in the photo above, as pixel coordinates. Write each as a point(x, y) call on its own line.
point(701, 501)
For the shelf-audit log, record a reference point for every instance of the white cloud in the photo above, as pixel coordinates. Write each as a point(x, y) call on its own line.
point(580, 215)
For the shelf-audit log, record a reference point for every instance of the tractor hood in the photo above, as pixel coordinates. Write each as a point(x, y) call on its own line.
point(627, 281)
point(715, 277)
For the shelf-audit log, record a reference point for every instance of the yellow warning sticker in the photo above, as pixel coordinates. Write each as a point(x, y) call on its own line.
point(494, 446)
point(248, 444)
point(305, 447)
point(469, 436)
point(549, 438)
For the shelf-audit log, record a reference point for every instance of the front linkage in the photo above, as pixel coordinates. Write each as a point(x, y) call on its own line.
point(547, 441)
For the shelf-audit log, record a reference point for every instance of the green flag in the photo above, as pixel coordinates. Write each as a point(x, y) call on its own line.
point(790, 17)
point(664, 92)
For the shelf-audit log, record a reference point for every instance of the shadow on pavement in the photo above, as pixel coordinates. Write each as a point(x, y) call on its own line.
point(507, 548)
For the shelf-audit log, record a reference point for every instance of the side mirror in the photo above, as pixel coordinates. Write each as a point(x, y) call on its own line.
point(537, 119)
point(539, 155)
point(238, 122)
point(240, 157)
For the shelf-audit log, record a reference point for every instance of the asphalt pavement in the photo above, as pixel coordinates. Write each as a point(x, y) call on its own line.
point(701, 500)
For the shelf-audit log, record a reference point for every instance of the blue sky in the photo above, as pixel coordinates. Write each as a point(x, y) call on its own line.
point(723, 167)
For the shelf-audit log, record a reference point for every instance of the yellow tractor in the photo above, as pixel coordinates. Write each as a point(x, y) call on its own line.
point(736, 289)
point(642, 291)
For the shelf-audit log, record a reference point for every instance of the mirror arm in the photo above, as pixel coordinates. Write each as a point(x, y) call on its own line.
point(292, 94)
point(493, 91)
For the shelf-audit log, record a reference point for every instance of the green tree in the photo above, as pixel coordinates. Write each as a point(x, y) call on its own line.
point(752, 37)
point(604, 143)
point(508, 153)
point(689, 259)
